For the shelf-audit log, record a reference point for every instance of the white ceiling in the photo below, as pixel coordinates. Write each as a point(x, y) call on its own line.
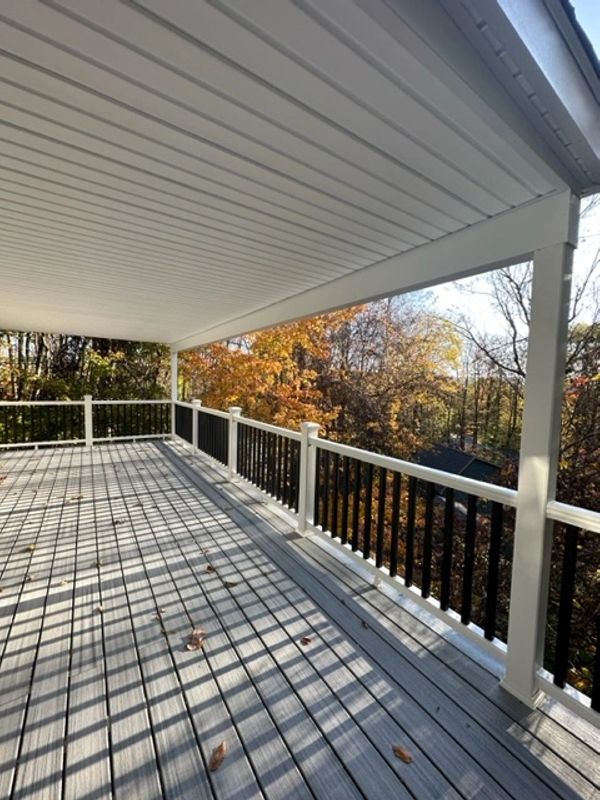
point(170, 169)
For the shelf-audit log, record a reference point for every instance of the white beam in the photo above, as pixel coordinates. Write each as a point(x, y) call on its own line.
point(538, 464)
point(506, 239)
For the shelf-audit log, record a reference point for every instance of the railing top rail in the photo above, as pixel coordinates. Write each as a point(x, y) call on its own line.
point(10, 403)
point(582, 518)
point(214, 411)
point(128, 402)
point(488, 491)
point(265, 426)
point(183, 404)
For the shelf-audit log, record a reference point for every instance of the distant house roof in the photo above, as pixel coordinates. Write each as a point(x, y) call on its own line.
point(457, 462)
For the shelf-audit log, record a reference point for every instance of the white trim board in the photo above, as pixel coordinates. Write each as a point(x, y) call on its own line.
point(509, 238)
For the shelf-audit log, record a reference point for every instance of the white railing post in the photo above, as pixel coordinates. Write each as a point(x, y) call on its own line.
point(308, 461)
point(174, 389)
point(197, 404)
point(540, 441)
point(235, 413)
point(88, 420)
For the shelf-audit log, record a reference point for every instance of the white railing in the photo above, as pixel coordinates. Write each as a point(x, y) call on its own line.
point(286, 464)
point(307, 473)
point(43, 423)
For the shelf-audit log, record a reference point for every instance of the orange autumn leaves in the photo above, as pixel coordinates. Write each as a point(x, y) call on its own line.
point(271, 374)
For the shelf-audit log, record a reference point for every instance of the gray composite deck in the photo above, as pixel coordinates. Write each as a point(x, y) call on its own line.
point(103, 561)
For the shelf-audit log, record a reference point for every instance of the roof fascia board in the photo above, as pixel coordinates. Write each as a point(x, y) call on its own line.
point(577, 42)
point(533, 55)
point(545, 40)
point(509, 238)
point(430, 30)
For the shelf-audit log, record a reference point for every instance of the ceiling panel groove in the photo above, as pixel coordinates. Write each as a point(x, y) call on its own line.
point(240, 234)
point(243, 217)
point(76, 12)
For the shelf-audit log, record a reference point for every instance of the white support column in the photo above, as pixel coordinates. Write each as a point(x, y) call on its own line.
point(174, 389)
point(197, 406)
point(235, 413)
point(538, 466)
point(88, 420)
point(308, 462)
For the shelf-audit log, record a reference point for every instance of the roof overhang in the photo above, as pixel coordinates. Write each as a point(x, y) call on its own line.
point(186, 172)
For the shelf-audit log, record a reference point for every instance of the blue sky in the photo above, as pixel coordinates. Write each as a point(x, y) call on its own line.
point(588, 14)
point(448, 296)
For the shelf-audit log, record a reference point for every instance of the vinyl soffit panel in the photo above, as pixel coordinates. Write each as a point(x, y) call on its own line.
point(167, 167)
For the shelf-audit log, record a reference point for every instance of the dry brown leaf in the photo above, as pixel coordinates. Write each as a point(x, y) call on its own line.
point(402, 753)
point(305, 640)
point(99, 608)
point(210, 568)
point(3, 477)
point(64, 582)
point(229, 584)
point(30, 548)
point(116, 522)
point(77, 497)
point(196, 639)
point(218, 756)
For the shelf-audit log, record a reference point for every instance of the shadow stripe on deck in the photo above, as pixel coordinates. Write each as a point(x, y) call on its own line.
point(142, 714)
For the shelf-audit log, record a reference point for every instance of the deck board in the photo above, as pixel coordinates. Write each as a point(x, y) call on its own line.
point(473, 747)
point(101, 698)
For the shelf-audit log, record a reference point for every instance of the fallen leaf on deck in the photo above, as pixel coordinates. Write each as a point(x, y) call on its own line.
point(30, 548)
point(402, 753)
point(64, 582)
point(305, 640)
point(98, 563)
point(116, 522)
point(210, 568)
point(218, 756)
point(363, 623)
point(229, 584)
point(99, 608)
point(196, 639)
point(3, 477)
point(77, 497)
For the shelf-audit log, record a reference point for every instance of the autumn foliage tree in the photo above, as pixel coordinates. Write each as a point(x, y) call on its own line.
point(374, 376)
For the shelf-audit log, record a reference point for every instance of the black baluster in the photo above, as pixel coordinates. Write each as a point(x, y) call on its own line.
point(356, 505)
point(467, 589)
point(427, 540)
point(395, 524)
point(447, 552)
point(279, 465)
point(295, 474)
point(410, 531)
point(491, 598)
point(565, 606)
point(380, 517)
point(345, 492)
point(336, 495)
point(596, 675)
point(317, 502)
point(325, 516)
point(368, 513)
point(286, 472)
